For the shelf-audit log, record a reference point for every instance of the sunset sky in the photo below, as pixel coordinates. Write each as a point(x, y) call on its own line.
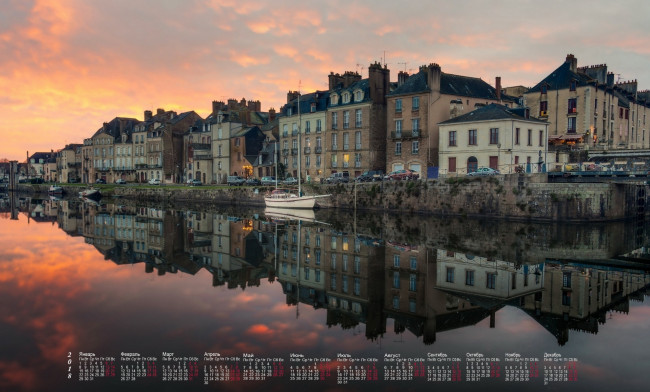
point(67, 66)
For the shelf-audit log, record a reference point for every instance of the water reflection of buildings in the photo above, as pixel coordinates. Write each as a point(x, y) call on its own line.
point(357, 279)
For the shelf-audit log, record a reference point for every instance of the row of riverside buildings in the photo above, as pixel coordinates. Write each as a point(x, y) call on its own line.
point(432, 122)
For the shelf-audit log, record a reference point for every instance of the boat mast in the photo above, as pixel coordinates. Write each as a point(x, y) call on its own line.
point(299, 137)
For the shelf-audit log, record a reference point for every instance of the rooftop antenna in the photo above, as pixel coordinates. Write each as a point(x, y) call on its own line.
point(385, 58)
point(359, 68)
point(404, 65)
point(618, 79)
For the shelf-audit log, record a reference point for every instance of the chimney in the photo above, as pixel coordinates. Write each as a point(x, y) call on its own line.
point(379, 81)
point(271, 114)
point(334, 80)
point(291, 95)
point(160, 111)
point(497, 86)
point(242, 103)
point(433, 76)
point(147, 115)
point(573, 63)
point(401, 78)
point(610, 79)
point(350, 78)
point(232, 104)
point(217, 105)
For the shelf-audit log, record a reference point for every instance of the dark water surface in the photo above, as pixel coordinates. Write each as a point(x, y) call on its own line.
point(114, 280)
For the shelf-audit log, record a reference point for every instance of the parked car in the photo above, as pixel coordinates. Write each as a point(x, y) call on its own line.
point(484, 171)
point(195, 182)
point(269, 180)
point(290, 181)
point(154, 181)
point(371, 175)
point(403, 174)
point(100, 181)
point(120, 181)
point(236, 180)
point(253, 181)
point(339, 177)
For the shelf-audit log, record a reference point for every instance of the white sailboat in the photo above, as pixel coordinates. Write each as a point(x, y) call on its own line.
point(283, 198)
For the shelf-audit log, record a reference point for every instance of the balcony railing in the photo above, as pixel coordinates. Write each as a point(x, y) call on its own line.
point(307, 150)
point(207, 155)
point(74, 164)
point(357, 124)
point(201, 146)
point(294, 132)
point(346, 125)
point(123, 168)
point(140, 165)
point(318, 130)
point(294, 151)
point(335, 147)
point(155, 166)
point(415, 133)
point(285, 151)
point(318, 149)
point(357, 164)
point(346, 147)
point(335, 164)
point(346, 164)
point(357, 146)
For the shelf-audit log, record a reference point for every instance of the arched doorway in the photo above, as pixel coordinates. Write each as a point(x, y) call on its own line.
point(472, 164)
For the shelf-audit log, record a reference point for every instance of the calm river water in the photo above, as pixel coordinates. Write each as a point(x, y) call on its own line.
point(135, 297)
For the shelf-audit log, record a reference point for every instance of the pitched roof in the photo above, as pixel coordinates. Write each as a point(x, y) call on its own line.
point(450, 84)
point(492, 111)
point(320, 98)
point(561, 78)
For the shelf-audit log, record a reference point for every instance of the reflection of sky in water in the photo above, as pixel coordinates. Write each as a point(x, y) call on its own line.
point(58, 294)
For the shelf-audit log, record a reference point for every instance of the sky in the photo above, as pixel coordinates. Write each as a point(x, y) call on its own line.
point(67, 66)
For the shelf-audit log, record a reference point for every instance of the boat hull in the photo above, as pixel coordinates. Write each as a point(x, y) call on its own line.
point(293, 201)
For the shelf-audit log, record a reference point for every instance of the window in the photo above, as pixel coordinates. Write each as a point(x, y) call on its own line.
point(412, 305)
point(335, 120)
point(357, 122)
point(346, 140)
point(469, 278)
point(543, 88)
point(452, 138)
point(572, 105)
point(357, 140)
point(541, 138)
point(452, 164)
point(491, 280)
point(543, 108)
point(494, 135)
point(416, 126)
point(307, 126)
point(346, 119)
point(412, 282)
point(450, 275)
point(346, 97)
point(334, 144)
point(517, 135)
point(334, 99)
point(566, 298)
point(396, 279)
point(472, 137)
point(572, 86)
point(333, 281)
point(398, 148)
point(357, 286)
point(318, 126)
point(358, 96)
point(398, 128)
point(415, 147)
point(414, 263)
point(571, 125)
point(396, 261)
point(530, 137)
point(395, 302)
point(416, 103)
point(357, 265)
point(566, 279)
point(398, 105)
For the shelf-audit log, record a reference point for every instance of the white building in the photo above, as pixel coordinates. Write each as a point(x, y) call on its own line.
point(493, 136)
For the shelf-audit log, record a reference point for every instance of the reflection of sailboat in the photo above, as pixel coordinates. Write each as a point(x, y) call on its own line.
point(284, 214)
point(282, 198)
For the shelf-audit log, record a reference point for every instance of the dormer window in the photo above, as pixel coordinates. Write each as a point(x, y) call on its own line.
point(334, 99)
point(358, 96)
point(572, 85)
point(290, 112)
point(313, 107)
point(346, 97)
point(543, 88)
